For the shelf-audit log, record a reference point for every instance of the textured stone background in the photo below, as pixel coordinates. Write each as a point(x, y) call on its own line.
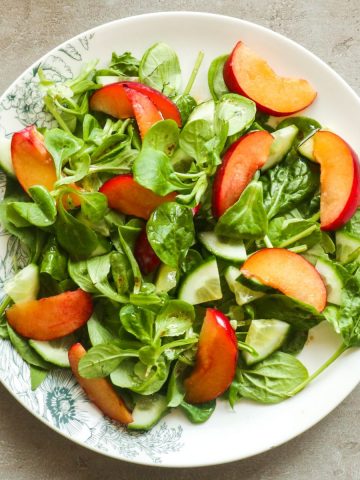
point(31, 451)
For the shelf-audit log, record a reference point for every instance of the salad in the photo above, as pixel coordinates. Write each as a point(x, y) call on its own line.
point(179, 250)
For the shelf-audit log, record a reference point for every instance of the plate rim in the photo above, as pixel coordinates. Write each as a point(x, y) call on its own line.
point(345, 393)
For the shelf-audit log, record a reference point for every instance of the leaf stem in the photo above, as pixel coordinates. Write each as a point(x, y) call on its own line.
point(299, 236)
point(298, 249)
point(315, 217)
point(4, 304)
point(194, 73)
point(328, 362)
point(178, 343)
point(267, 242)
point(50, 106)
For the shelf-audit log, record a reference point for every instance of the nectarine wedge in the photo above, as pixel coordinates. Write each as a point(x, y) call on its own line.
point(126, 196)
point(239, 164)
point(215, 359)
point(289, 273)
point(248, 74)
point(32, 163)
point(166, 107)
point(146, 114)
point(113, 100)
point(52, 317)
point(99, 390)
point(339, 179)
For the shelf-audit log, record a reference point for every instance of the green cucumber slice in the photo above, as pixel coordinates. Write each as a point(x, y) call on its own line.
point(5, 156)
point(222, 247)
point(166, 279)
point(24, 286)
point(254, 284)
point(204, 111)
point(54, 351)
point(265, 336)
point(202, 284)
point(332, 278)
point(306, 147)
point(346, 245)
point(148, 411)
point(242, 294)
point(283, 140)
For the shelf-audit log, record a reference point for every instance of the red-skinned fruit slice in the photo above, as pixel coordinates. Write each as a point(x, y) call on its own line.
point(215, 359)
point(289, 273)
point(32, 163)
point(248, 74)
point(52, 317)
point(99, 390)
point(239, 164)
point(146, 114)
point(339, 179)
point(145, 256)
point(166, 107)
point(126, 196)
point(113, 100)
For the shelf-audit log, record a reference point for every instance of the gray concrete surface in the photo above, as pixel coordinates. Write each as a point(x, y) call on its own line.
point(330, 450)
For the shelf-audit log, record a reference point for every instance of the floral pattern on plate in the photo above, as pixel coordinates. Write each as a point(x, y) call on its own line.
point(59, 401)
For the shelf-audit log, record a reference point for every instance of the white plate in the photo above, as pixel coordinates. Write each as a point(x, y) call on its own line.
point(250, 428)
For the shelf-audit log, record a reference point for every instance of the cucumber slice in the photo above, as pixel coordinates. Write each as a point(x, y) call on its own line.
point(166, 279)
point(242, 294)
point(265, 336)
point(254, 284)
point(332, 278)
point(202, 284)
point(283, 140)
point(239, 112)
point(24, 286)
point(148, 411)
point(204, 111)
point(306, 147)
point(346, 244)
point(222, 247)
point(5, 156)
point(54, 351)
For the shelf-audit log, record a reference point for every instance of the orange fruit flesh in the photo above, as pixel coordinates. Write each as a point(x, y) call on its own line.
point(289, 273)
point(99, 390)
point(264, 86)
point(337, 174)
point(250, 155)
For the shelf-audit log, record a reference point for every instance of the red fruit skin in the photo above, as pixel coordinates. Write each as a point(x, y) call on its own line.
point(145, 256)
point(99, 390)
point(113, 100)
point(52, 317)
point(146, 113)
point(196, 209)
point(216, 359)
point(337, 160)
point(166, 107)
point(240, 162)
point(234, 85)
point(126, 196)
point(352, 202)
point(289, 273)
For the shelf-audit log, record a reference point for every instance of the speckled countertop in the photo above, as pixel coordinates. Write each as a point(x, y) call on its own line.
point(31, 451)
